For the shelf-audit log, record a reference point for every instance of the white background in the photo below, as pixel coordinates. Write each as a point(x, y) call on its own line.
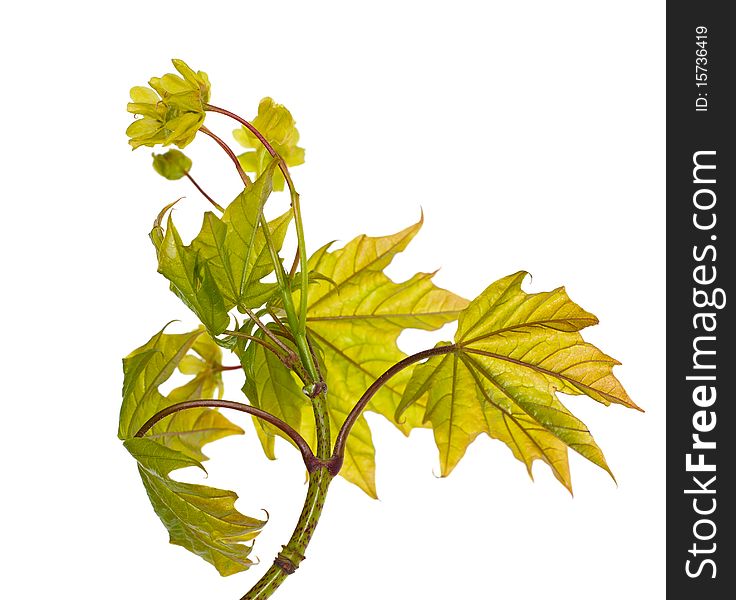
point(532, 135)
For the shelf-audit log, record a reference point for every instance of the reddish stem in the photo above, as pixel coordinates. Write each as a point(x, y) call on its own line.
point(249, 126)
point(230, 153)
point(205, 194)
point(342, 436)
point(309, 459)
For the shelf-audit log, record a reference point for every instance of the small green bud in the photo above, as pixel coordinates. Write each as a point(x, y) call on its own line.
point(172, 164)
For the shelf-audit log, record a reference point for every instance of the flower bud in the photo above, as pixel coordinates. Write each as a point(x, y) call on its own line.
point(172, 164)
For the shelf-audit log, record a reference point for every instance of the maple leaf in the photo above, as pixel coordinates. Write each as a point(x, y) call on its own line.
point(189, 430)
point(513, 351)
point(223, 266)
point(149, 366)
point(145, 369)
point(191, 279)
point(355, 315)
point(199, 518)
point(272, 387)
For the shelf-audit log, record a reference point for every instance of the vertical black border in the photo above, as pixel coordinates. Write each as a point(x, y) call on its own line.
point(689, 131)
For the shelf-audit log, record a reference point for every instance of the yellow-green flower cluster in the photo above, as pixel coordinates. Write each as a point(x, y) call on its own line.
point(172, 109)
point(276, 124)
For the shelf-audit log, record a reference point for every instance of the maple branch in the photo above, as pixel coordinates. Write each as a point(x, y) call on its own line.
point(288, 560)
point(320, 476)
point(309, 459)
point(316, 365)
point(342, 437)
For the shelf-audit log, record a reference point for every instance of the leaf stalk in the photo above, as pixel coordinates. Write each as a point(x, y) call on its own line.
point(230, 153)
point(294, 435)
point(205, 194)
point(342, 437)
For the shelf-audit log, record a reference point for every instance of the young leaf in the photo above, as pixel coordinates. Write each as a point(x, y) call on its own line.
point(187, 431)
point(223, 266)
point(201, 519)
point(242, 259)
point(270, 385)
point(358, 316)
point(147, 367)
point(356, 319)
point(359, 466)
point(513, 351)
point(192, 280)
point(144, 370)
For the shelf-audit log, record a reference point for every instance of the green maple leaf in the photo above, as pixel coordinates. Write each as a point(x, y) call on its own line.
point(513, 351)
point(149, 366)
point(271, 386)
point(223, 266)
point(355, 315)
point(199, 518)
point(192, 280)
point(189, 430)
point(145, 369)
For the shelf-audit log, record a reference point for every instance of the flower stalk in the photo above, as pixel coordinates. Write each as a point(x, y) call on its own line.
point(298, 322)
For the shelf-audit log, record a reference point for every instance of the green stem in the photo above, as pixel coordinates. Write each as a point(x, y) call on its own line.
point(322, 422)
point(300, 337)
point(297, 323)
point(301, 325)
point(293, 552)
point(302, 246)
point(323, 468)
point(320, 477)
